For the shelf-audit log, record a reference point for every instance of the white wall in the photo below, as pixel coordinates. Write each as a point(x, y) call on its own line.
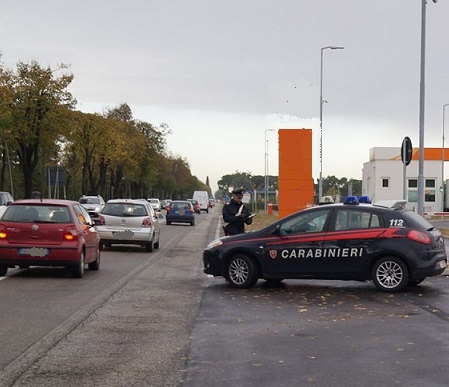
point(386, 163)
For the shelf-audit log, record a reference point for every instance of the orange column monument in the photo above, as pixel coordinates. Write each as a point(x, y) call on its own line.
point(295, 182)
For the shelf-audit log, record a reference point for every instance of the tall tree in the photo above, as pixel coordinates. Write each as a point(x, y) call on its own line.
point(38, 107)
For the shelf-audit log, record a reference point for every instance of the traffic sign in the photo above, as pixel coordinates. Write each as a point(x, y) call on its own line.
point(406, 151)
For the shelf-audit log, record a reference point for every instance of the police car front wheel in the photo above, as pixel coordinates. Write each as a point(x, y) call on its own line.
point(242, 271)
point(390, 274)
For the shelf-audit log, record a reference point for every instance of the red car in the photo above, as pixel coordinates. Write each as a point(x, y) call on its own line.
point(196, 205)
point(48, 232)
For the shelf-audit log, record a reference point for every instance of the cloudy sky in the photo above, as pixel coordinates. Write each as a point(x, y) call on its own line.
point(221, 73)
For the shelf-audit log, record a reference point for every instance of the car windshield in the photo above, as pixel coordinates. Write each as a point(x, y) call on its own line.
point(42, 214)
point(124, 209)
point(89, 201)
point(178, 205)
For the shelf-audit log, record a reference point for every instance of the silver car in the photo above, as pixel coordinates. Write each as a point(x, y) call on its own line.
point(155, 203)
point(128, 221)
point(93, 204)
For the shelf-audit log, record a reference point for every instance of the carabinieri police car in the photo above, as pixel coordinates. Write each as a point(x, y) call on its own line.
point(392, 247)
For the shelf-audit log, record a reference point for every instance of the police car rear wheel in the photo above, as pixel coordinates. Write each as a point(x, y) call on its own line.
point(242, 272)
point(390, 274)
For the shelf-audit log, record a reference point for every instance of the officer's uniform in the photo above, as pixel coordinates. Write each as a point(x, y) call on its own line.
point(236, 215)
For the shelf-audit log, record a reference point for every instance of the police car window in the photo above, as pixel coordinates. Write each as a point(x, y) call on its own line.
point(305, 222)
point(350, 220)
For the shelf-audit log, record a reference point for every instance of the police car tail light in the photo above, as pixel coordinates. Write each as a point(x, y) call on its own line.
point(419, 237)
point(101, 220)
point(147, 223)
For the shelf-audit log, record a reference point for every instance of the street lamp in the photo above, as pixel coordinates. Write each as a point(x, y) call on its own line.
point(421, 109)
point(320, 183)
point(442, 164)
point(266, 169)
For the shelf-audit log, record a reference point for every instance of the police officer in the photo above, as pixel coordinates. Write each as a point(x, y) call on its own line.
point(235, 214)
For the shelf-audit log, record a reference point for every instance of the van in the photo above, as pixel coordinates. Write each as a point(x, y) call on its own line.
point(203, 199)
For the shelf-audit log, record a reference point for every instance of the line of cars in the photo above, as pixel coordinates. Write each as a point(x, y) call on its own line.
point(50, 232)
point(70, 234)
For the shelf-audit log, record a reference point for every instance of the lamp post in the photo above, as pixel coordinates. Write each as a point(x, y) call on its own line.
point(320, 183)
point(421, 109)
point(266, 169)
point(442, 164)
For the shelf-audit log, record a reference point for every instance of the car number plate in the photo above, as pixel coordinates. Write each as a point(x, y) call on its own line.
point(33, 251)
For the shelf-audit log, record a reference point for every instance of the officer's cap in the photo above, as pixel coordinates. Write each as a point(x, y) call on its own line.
point(238, 191)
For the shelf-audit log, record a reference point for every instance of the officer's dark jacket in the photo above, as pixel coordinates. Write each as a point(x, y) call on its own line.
point(236, 224)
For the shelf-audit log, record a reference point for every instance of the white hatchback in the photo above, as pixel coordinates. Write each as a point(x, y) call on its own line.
point(130, 222)
point(5, 200)
point(155, 203)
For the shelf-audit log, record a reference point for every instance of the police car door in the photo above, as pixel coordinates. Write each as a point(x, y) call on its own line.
point(295, 252)
point(353, 234)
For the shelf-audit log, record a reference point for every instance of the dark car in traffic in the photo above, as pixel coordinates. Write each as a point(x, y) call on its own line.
point(392, 247)
point(48, 232)
point(180, 211)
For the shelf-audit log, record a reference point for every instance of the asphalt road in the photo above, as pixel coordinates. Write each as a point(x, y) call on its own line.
point(132, 332)
point(167, 324)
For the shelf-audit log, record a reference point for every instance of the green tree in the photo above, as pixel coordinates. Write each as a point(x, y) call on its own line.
point(334, 186)
point(237, 179)
point(38, 105)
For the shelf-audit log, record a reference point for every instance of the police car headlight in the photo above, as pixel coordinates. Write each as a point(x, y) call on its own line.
point(214, 243)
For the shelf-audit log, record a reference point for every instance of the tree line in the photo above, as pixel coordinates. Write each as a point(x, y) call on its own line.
point(332, 186)
point(109, 154)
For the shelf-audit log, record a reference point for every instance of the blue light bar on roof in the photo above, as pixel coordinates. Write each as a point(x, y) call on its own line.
point(364, 199)
point(351, 200)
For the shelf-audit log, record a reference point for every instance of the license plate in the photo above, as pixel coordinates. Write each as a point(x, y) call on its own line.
point(126, 234)
point(34, 251)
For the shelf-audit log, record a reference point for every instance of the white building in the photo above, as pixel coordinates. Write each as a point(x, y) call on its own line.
point(383, 177)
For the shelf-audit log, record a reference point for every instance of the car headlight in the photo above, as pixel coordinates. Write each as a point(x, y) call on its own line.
point(97, 209)
point(214, 243)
